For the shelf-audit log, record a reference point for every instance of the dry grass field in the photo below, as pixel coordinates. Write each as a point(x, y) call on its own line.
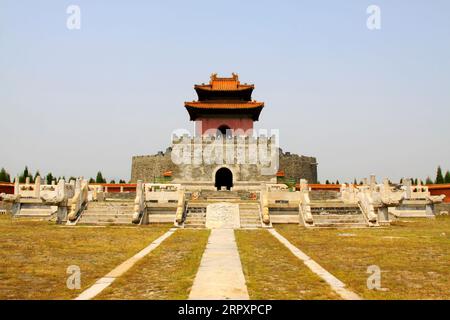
point(413, 256)
point(34, 256)
point(273, 272)
point(167, 273)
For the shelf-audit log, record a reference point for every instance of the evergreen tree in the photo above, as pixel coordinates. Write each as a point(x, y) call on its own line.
point(4, 176)
point(49, 178)
point(439, 176)
point(337, 182)
point(26, 173)
point(428, 181)
point(355, 182)
point(91, 180)
point(122, 181)
point(447, 177)
point(113, 181)
point(100, 178)
point(327, 182)
point(36, 175)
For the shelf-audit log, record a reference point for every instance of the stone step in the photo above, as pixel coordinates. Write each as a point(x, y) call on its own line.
point(109, 216)
point(253, 226)
point(338, 216)
point(100, 219)
point(195, 226)
point(96, 206)
point(25, 213)
point(101, 223)
point(249, 213)
point(341, 225)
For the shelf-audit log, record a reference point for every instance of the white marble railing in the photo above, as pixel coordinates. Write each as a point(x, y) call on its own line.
point(79, 200)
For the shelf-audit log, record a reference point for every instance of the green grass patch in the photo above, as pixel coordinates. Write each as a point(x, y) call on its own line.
point(168, 272)
point(273, 272)
point(413, 255)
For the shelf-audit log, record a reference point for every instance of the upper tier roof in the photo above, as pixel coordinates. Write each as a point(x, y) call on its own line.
point(224, 96)
point(224, 84)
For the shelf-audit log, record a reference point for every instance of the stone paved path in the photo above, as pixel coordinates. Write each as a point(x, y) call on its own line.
point(220, 274)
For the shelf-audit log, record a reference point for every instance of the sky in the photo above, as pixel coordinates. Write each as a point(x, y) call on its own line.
point(75, 101)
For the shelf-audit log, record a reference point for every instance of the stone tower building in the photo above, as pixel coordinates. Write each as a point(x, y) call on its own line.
point(225, 152)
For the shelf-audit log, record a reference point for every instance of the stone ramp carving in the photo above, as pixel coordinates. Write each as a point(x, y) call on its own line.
point(221, 213)
point(108, 212)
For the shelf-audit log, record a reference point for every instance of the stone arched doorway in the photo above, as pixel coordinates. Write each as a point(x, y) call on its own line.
point(224, 131)
point(224, 178)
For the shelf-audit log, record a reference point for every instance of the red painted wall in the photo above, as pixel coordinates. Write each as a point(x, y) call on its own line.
point(438, 189)
point(212, 124)
point(7, 188)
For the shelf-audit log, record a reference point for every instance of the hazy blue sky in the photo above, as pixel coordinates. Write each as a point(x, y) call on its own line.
point(361, 101)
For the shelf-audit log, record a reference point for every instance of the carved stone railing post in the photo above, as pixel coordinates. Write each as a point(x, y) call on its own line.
point(305, 203)
point(61, 190)
point(265, 207)
point(180, 207)
point(37, 187)
point(366, 202)
point(139, 202)
point(17, 187)
point(408, 193)
point(79, 199)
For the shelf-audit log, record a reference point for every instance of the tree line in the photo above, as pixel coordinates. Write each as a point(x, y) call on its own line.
point(6, 177)
point(441, 178)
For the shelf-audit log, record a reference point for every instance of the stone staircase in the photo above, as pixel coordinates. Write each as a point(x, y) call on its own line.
point(36, 211)
point(411, 209)
point(336, 214)
point(161, 213)
point(220, 195)
point(108, 212)
point(195, 216)
point(250, 215)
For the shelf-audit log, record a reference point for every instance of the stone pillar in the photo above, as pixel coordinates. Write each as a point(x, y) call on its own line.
point(27, 181)
point(303, 185)
point(365, 182)
point(61, 190)
point(77, 185)
point(373, 182)
point(37, 187)
point(16, 186)
point(408, 188)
